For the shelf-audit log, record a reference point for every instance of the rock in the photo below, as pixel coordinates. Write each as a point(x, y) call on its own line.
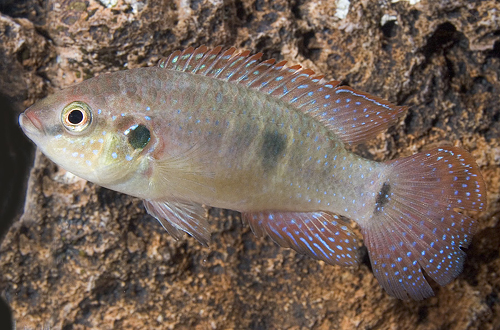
point(82, 256)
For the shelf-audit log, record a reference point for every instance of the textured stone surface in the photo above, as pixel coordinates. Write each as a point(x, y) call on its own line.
point(85, 257)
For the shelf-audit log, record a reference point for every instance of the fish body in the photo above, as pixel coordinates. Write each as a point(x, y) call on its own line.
point(224, 130)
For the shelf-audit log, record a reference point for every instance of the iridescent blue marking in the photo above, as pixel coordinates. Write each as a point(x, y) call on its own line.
point(292, 237)
point(308, 246)
point(319, 248)
point(277, 232)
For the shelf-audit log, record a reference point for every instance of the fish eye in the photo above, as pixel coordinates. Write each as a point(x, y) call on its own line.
point(76, 117)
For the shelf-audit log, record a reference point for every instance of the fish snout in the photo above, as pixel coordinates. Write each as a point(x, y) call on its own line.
point(30, 123)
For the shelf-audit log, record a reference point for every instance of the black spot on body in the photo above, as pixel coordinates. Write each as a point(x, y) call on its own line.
point(383, 197)
point(273, 147)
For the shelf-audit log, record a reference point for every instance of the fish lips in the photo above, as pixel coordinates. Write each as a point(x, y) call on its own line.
point(30, 124)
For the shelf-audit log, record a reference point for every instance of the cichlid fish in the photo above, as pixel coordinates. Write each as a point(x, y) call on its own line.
point(227, 130)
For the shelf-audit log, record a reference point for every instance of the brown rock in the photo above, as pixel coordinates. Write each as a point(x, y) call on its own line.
point(84, 257)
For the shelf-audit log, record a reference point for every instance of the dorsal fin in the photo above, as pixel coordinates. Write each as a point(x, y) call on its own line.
point(353, 115)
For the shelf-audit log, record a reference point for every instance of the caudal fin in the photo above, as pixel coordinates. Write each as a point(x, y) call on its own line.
point(415, 225)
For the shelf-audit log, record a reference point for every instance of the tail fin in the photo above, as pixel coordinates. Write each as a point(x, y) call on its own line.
point(415, 225)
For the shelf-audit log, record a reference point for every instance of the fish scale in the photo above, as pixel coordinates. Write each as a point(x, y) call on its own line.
point(224, 129)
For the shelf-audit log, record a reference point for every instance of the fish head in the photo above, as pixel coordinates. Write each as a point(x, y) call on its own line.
point(81, 132)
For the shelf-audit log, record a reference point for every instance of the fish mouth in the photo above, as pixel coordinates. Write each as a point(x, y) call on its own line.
point(30, 124)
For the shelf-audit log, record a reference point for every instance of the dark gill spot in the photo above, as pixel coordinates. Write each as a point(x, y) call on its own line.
point(382, 197)
point(273, 146)
point(139, 137)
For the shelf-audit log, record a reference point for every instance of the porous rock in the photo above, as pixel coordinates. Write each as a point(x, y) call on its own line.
point(84, 257)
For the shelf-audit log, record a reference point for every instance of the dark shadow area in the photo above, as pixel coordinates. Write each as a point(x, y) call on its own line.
point(14, 170)
point(390, 29)
point(34, 10)
point(445, 36)
point(14, 165)
point(5, 316)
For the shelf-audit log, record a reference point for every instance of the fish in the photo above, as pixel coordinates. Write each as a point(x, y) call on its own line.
point(220, 128)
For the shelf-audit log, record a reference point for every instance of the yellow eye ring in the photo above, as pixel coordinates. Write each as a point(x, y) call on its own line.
point(76, 117)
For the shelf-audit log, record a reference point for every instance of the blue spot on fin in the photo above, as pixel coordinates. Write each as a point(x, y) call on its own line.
point(318, 235)
point(417, 229)
point(358, 116)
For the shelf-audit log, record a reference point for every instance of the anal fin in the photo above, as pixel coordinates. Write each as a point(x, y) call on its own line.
point(318, 235)
point(179, 216)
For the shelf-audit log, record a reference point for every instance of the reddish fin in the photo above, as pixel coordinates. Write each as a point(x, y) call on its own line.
point(181, 216)
point(318, 235)
point(354, 116)
point(414, 225)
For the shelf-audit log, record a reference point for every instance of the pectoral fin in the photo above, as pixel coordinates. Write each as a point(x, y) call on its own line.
point(178, 216)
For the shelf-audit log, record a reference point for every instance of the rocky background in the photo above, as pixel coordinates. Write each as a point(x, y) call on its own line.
point(84, 257)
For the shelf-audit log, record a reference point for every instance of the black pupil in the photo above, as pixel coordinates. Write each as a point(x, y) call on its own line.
point(75, 117)
point(139, 137)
